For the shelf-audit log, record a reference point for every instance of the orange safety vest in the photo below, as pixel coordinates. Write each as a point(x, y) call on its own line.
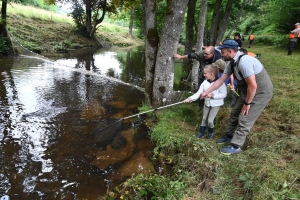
point(251, 54)
point(292, 35)
point(251, 37)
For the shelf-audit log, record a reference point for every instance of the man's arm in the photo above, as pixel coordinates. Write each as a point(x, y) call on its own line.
point(215, 86)
point(180, 57)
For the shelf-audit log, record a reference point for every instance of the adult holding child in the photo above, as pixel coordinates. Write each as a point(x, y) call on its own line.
point(255, 88)
point(213, 100)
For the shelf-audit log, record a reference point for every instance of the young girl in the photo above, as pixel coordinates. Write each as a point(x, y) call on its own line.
point(213, 101)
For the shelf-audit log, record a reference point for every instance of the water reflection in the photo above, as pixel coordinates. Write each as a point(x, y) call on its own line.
point(127, 66)
point(48, 112)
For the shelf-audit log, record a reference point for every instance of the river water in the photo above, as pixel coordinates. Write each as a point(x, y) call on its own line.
point(49, 112)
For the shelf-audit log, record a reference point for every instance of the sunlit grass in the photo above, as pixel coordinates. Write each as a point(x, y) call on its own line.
point(37, 13)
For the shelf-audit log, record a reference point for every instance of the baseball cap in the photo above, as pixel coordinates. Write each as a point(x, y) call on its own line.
point(297, 24)
point(230, 44)
point(220, 64)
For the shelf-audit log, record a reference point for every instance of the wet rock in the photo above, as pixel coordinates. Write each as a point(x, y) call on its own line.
point(118, 142)
point(112, 156)
point(92, 111)
point(139, 163)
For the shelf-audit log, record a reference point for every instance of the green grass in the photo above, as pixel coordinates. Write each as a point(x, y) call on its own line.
point(268, 167)
point(36, 13)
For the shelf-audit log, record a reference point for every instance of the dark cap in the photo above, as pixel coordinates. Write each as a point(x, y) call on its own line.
point(230, 44)
point(297, 24)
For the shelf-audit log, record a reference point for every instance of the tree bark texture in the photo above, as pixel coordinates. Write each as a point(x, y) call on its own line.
point(200, 37)
point(164, 67)
point(189, 29)
point(131, 21)
point(225, 20)
point(215, 23)
point(88, 10)
point(151, 45)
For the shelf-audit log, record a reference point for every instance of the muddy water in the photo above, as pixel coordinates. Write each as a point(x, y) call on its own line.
point(49, 111)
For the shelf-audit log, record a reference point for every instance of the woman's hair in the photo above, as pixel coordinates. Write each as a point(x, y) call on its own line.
point(212, 69)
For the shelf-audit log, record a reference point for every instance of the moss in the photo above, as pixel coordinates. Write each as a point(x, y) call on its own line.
point(152, 37)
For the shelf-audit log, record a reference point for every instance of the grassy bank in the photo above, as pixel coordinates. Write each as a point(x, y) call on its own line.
point(268, 167)
point(44, 31)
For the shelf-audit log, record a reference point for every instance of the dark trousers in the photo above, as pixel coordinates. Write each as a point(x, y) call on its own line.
point(291, 46)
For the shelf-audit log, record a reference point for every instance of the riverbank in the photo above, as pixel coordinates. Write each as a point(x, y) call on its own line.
point(268, 167)
point(42, 31)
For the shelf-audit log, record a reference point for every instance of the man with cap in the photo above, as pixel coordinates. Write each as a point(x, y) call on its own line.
point(294, 34)
point(255, 92)
point(208, 56)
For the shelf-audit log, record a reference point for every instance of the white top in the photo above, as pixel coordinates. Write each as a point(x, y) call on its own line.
point(218, 94)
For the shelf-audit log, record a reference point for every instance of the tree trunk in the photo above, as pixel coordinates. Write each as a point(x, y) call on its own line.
point(151, 45)
point(189, 29)
point(200, 35)
point(164, 66)
point(225, 20)
point(131, 21)
point(237, 21)
point(3, 12)
point(215, 23)
point(88, 10)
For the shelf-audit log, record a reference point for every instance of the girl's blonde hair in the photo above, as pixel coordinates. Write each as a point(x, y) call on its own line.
point(212, 69)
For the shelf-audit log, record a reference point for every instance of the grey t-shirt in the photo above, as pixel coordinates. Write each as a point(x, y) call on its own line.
point(250, 66)
point(247, 65)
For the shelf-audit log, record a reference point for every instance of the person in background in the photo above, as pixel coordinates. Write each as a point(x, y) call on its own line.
point(243, 38)
point(237, 38)
point(213, 101)
point(294, 35)
point(245, 51)
point(250, 40)
point(231, 82)
point(208, 56)
point(255, 92)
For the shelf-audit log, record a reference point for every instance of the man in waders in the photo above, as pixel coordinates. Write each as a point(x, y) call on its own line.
point(208, 56)
point(294, 35)
point(255, 88)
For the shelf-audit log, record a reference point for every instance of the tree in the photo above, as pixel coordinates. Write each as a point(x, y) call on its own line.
point(224, 22)
point(200, 37)
point(215, 22)
point(164, 66)
point(189, 30)
point(151, 44)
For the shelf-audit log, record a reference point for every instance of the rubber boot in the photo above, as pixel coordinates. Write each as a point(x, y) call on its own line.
point(210, 133)
point(202, 131)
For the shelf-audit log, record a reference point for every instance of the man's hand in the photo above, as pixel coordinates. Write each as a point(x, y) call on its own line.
point(203, 95)
point(177, 56)
point(245, 110)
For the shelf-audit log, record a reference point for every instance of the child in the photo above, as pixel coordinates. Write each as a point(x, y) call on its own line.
point(212, 102)
point(231, 82)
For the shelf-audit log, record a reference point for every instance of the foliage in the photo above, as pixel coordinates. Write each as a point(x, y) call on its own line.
point(38, 3)
point(5, 46)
